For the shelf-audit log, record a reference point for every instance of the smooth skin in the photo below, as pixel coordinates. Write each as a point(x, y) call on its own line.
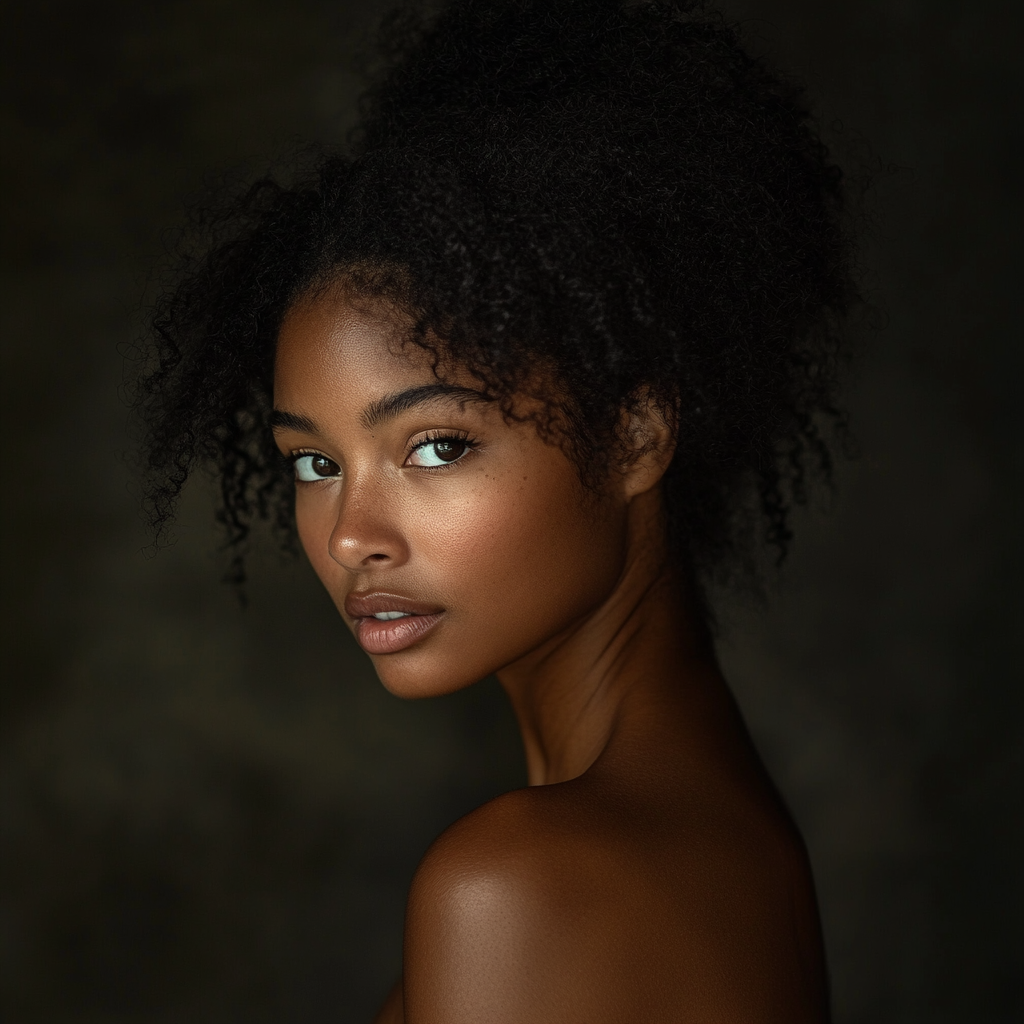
point(648, 872)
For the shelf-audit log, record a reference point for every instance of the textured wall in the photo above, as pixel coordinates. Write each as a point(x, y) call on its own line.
point(210, 814)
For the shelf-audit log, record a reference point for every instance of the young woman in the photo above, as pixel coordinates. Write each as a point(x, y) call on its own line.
point(544, 349)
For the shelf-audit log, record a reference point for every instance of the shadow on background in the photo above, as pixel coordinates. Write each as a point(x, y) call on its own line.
point(209, 814)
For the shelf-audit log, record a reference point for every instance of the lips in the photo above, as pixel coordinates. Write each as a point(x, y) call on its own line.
point(386, 636)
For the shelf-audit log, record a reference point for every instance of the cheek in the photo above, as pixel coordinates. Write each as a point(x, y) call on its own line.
point(522, 562)
point(514, 558)
point(315, 520)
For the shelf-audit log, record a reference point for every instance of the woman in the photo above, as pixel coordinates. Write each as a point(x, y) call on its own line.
point(546, 349)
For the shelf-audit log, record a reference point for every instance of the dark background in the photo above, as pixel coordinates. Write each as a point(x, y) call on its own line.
point(210, 814)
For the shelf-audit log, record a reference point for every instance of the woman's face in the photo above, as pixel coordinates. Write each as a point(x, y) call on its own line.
point(454, 543)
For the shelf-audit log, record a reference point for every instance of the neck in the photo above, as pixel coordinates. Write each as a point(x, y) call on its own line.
point(630, 658)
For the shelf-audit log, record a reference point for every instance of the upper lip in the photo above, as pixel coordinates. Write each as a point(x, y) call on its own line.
point(360, 606)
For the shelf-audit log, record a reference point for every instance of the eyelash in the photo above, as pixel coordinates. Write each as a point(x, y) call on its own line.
point(432, 437)
point(289, 461)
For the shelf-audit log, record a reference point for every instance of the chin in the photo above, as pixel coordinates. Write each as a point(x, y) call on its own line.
point(414, 674)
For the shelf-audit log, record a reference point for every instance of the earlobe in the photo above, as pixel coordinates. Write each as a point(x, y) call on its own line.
point(649, 440)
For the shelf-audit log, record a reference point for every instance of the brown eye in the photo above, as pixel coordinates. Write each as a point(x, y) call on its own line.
point(439, 452)
point(449, 450)
point(312, 467)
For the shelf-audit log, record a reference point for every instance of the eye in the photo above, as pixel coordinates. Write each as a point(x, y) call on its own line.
point(312, 466)
point(439, 451)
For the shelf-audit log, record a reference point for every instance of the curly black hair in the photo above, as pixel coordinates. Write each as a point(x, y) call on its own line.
point(618, 189)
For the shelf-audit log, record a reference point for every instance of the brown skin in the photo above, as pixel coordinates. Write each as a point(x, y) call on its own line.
point(648, 873)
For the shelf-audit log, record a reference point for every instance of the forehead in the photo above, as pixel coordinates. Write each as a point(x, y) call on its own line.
point(339, 353)
point(335, 341)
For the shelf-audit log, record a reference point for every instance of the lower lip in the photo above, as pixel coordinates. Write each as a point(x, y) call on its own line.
point(386, 636)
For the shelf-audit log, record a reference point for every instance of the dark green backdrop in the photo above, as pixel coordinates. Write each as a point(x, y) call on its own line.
point(209, 814)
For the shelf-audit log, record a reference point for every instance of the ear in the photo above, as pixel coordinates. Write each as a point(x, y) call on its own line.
point(647, 435)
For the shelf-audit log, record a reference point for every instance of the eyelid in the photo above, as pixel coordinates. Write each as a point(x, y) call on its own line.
point(292, 456)
point(441, 434)
point(295, 457)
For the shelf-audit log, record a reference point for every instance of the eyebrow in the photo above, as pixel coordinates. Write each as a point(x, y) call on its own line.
point(382, 409)
point(281, 420)
point(388, 407)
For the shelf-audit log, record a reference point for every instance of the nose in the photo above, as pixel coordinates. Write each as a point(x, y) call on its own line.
point(366, 534)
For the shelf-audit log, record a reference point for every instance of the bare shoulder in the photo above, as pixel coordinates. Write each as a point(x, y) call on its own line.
point(548, 905)
point(508, 842)
point(494, 915)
